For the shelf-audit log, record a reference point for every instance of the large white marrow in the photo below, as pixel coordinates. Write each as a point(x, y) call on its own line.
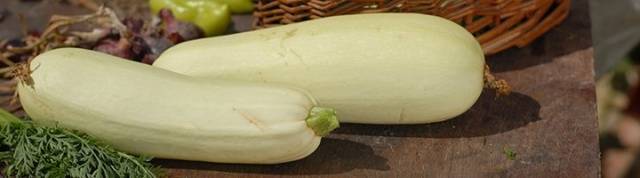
point(373, 68)
point(146, 110)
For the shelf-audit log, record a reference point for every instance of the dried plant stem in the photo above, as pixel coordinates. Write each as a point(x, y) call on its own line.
point(500, 86)
point(6, 61)
point(55, 24)
point(8, 86)
point(57, 34)
point(23, 25)
point(88, 4)
point(6, 70)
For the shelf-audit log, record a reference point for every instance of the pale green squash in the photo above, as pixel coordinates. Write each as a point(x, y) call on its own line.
point(373, 68)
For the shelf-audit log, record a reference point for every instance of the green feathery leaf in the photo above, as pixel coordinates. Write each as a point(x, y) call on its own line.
point(31, 150)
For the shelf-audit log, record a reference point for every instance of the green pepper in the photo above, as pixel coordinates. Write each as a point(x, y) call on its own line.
point(238, 6)
point(211, 16)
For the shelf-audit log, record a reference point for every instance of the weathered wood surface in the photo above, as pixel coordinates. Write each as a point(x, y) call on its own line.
point(549, 122)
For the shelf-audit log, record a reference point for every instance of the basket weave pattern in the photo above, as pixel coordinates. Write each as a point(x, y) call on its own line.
point(497, 24)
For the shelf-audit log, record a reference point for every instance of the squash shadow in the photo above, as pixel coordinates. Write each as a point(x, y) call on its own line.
point(333, 156)
point(489, 115)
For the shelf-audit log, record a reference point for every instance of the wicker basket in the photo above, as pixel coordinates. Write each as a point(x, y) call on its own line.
point(497, 24)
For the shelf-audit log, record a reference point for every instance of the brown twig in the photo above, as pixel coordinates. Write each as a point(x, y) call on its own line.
point(88, 4)
point(92, 36)
point(14, 101)
point(6, 71)
point(51, 37)
point(55, 24)
point(7, 87)
point(22, 73)
point(117, 24)
point(6, 61)
point(23, 25)
point(54, 35)
point(58, 33)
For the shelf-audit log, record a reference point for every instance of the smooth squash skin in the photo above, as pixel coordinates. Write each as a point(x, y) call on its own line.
point(373, 68)
point(145, 110)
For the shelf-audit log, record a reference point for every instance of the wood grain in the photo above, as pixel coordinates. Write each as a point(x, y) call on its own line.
point(549, 122)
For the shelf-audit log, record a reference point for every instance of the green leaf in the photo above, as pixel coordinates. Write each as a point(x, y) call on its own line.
point(510, 153)
point(31, 150)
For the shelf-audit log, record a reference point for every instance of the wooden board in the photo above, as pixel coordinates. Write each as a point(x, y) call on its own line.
point(549, 122)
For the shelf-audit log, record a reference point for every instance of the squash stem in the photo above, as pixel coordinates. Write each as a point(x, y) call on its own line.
point(501, 87)
point(322, 120)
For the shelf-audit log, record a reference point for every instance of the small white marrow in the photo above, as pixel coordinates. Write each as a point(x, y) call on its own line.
point(145, 110)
